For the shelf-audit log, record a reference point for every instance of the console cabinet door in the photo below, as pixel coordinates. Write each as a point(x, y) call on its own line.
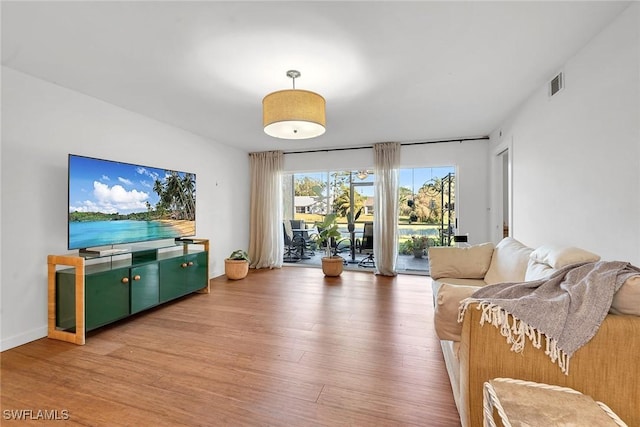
point(172, 277)
point(106, 297)
point(145, 287)
point(197, 271)
point(182, 275)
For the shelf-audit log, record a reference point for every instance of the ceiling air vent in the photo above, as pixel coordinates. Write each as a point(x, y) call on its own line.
point(557, 84)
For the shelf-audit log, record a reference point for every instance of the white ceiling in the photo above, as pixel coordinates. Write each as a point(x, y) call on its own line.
point(390, 71)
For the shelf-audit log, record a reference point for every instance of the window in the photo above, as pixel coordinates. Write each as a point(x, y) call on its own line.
point(426, 208)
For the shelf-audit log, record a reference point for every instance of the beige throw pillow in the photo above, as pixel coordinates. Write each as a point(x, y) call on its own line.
point(509, 262)
point(445, 318)
point(627, 299)
point(557, 256)
point(466, 263)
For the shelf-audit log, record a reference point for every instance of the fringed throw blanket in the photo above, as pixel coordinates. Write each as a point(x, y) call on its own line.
point(564, 310)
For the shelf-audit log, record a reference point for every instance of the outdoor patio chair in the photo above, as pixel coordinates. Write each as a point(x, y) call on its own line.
point(297, 224)
point(293, 244)
point(366, 246)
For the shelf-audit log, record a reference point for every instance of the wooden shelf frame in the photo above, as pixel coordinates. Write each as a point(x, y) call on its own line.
point(77, 337)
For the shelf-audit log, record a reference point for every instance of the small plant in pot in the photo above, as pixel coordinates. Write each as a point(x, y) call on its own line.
point(328, 230)
point(419, 245)
point(236, 266)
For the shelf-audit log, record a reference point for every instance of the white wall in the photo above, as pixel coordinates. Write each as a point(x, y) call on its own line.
point(576, 156)
point(468, 157)
point(42, 123)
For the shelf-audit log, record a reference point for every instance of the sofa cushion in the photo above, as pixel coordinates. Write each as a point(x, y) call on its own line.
point(560, 256)
point(627, 299)
point(509, 262)
point(466, 263)
point(436, 284)
point(446, 310)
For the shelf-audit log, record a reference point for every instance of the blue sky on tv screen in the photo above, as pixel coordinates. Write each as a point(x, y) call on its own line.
point(111, 187)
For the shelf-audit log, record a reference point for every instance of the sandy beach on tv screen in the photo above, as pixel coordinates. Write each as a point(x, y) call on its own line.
point(186, 228)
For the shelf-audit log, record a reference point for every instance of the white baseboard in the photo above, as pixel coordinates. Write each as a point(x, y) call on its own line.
point(18, 340)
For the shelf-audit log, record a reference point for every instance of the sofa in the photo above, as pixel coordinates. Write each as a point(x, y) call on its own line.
point(607, 368)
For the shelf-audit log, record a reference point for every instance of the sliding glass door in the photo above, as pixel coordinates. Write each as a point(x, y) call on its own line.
point(348, 194)
point(427, 215)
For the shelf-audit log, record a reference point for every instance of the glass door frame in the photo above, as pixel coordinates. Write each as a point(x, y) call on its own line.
point(352, 233)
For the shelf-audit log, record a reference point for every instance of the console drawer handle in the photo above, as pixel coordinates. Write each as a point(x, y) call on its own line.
point(125, 280)
point(136, 277)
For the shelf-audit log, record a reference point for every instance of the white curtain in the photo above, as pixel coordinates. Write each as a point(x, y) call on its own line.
point(266, 243)
point(385, 227)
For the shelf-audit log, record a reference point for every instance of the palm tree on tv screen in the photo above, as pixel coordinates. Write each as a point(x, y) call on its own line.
point(177, 196)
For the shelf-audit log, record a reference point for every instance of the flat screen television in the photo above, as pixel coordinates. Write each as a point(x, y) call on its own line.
point(113, 203)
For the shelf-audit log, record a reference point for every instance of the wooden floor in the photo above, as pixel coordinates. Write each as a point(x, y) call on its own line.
point(284, 347)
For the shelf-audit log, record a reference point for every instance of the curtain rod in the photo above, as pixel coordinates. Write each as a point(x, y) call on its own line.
point(326, 150)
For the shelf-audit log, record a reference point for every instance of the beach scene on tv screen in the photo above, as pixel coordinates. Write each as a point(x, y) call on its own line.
point(114, 203)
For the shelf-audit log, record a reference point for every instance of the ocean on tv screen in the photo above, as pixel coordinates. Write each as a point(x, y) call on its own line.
point(102, 233)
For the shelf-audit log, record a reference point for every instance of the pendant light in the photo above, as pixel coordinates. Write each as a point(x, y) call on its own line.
point(293, 113)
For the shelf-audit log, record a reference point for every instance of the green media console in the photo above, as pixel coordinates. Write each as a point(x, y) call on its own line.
point(93, 291)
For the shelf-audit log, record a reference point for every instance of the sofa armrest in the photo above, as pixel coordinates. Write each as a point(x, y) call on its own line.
point(607, 368)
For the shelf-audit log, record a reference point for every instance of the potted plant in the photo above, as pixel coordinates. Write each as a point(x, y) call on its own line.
point(327, 230)
point(237, 265)
point(419, 244)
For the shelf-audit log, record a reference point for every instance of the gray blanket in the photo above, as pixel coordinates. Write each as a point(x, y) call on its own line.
point(565, 310)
